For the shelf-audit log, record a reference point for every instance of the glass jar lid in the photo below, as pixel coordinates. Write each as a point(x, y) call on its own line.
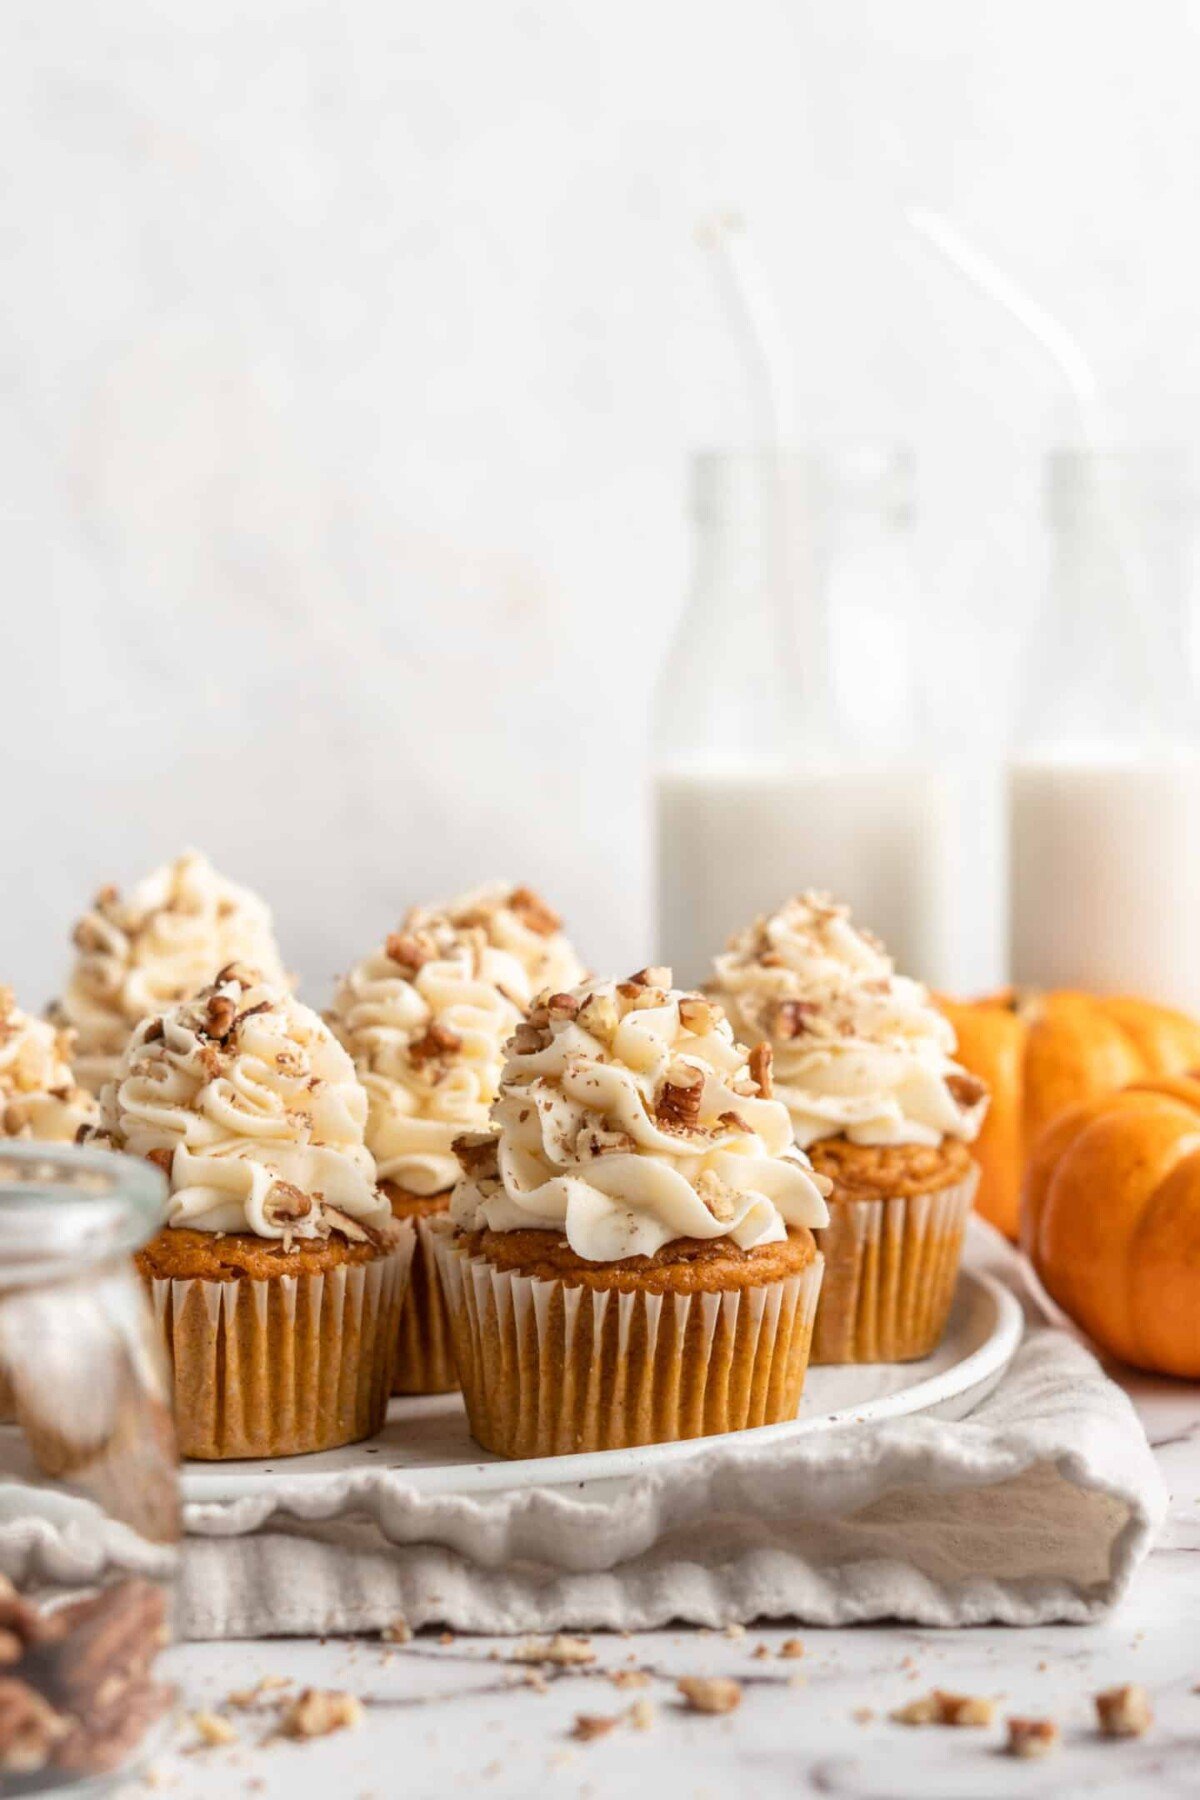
point(64, 1207)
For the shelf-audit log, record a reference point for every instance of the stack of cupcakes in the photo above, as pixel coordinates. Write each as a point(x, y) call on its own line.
point(426, 1018)
point(864, 1064)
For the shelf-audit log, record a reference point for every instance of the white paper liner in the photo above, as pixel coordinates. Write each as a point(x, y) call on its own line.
point(285, 1365)
point(425, 1356)
point(549, 1369)
point(891, 1268)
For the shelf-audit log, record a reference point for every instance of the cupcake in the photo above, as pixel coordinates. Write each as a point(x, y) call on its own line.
point(39, 1097)
point(278, 1276)
point(629, 1257)
point(138, 955)
point(426, 1019)
point(864, 1063)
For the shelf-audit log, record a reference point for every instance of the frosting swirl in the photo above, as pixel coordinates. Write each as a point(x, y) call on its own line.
point(627, 1118)
point(38, 1095)
point(253, 1109)
point(427, 1016)
point(140, 954)
point(858, 1050)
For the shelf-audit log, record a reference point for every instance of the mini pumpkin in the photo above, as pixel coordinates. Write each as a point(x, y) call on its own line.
point(1111, 1221)
point(1043, 1053)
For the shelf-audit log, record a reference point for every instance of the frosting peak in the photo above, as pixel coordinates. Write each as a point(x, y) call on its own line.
point(38, 1095)
point(858, 1050)
point(427, 1016)
point(139, 954)
point(628, 1117)
point(251, 1106)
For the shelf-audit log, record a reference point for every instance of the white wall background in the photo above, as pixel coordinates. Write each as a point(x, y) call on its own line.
point(351, 351)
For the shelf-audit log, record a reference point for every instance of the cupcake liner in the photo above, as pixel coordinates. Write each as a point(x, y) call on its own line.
point(425, 1356)
point(890, 1271)
point(286, 1365)
point(548, 1369)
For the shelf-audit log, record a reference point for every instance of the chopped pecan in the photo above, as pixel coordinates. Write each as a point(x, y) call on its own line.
point(533, 912)
point(562, 1006)
point(162, 1159)
point(30, 1728)
point(655, 976)
point(759, 1063)
point(476, 1151)
point(153, 1033)
point(349, 1228)
point(791, 1017)
point(408, 949)
point(527, 1039)
point(698, 1015)
point(285, 1204)
point(678, 1103)
point(220, 1012)
point(436, 1040)
point(599, 1015)
point(967, 1090)
point(716, 1196)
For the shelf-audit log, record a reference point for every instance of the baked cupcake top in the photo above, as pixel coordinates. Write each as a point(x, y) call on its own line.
point(138, 954)
point(859, 1051)
point(627, 1118)
point(39, 1097)
point(251, 1107)
point(426, 1018)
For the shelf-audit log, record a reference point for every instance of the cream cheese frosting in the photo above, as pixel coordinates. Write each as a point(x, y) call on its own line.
point(859, 1051)
point(628, 1117)
point(250, 1105)
point(140, 953)
point(427, 1016)
point(39, 1097)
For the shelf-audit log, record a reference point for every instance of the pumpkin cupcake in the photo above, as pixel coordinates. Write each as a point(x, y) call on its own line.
point(139, 954)
point(425, 1019)
point(629, 1259)
point(864, 1063)
point(39, 1096)
point(278, 1277)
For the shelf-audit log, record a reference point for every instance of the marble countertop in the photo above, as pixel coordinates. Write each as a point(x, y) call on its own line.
point(443, 1717)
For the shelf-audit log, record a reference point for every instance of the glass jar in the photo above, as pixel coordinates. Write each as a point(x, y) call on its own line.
point(89, 1492)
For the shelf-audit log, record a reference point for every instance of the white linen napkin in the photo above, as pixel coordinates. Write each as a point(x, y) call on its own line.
point(1036, 1508)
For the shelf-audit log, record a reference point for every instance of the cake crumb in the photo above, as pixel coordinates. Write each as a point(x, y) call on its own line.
point(319, 1711)
point(791, 1649)
point(641, 1715)
point(1124, 1711)
point(710, 1693)
point(213, 1730)
point(629, 1678)
point(446, 1637)
point(941, 1708)
point(1031, 1737)
point(735, 1631)
point(398, 1632)
point(862, 1715)
point(592, 1725)
point(761, 1652)
point(566, 1652)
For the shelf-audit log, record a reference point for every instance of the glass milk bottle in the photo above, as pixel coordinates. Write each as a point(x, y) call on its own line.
point(1104, 789)
point(787, 751)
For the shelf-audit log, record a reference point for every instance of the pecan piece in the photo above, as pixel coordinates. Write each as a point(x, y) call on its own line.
point(161, 1159)
point(528, 1039)
point(476, 1151)
point(220, 1012)
point(533, 912)
point(408, 950)
point(285, 1204)
point(759, 1063)
point(436, 1040)
point(710, 1693)
point(599, 1015)
point(655, 976)
point(698, 1015)
point(562, 1006)
point(678, 1103)
point(967, 1090)
point(791, 1017)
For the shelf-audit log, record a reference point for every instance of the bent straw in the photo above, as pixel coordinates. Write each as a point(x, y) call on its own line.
point(755, 326)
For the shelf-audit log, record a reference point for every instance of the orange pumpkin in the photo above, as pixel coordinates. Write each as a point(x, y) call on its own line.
point(1042, 1054)
point(1111, 1221)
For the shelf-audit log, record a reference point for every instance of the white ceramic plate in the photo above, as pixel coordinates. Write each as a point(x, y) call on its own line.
point(426, 1442)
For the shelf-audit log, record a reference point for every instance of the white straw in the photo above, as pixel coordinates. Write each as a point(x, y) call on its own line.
point(1050, 333)
point(755, 325)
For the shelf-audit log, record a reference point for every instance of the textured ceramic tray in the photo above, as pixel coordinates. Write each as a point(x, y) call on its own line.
point(427, 1446)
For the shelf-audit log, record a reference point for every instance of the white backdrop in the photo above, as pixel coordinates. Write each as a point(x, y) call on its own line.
point(352, 350)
